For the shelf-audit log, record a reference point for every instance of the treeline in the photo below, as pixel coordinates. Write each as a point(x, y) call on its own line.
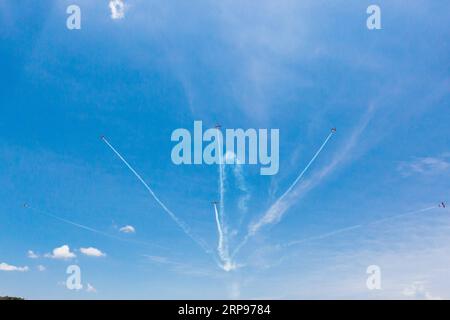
point(11, 298)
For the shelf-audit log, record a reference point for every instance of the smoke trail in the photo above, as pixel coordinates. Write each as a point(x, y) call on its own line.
point(323, 236)
point(222, 189)
point(81, 226)
point(339, 231)
point(307, 167)
point(180, 223)
point(276, 210)
point(223, 249)
point(401, 215)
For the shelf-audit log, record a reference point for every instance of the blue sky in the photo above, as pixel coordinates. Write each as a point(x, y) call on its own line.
point(299, 66)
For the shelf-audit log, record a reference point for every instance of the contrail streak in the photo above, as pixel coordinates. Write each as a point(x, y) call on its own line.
point(306, 168)
point(82, 226)
point(276, 210)
point(180, 223)
point(401, 215)
point(323, 236)
point(339, 231)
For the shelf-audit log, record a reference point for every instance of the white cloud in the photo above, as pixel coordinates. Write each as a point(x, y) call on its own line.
point(92, 252)
point(32, 255)
point(91, 288)
point(127, 229)
point(7, 267)
point(425, 165)
point(62, 252)
point(41, 268)
point(117, 9)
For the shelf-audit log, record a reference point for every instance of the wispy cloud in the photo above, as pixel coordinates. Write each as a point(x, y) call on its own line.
point(7, 267)
point(160, 260)
point(426, 165)
point(411, 253)
point(92, 252)
point(41, 268)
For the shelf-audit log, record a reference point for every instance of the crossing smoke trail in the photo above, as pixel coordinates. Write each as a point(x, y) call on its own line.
point(180, 223)
point(339, 231)
point(81, 226)
point(306, 168)
point(276, 211)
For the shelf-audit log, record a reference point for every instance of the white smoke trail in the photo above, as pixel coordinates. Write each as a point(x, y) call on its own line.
point(339, 231)
point(401, 215)
point(275, 212)
point(222, 248)
point(180, 223)
point(323, 236)
point(81, 226)
point(307, 167)
point(222, 178)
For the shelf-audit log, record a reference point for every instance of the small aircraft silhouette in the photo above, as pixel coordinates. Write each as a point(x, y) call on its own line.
point(333, 130)
point(218, 126)
point(25, 205)
point(214, 202)
point(442, 205)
